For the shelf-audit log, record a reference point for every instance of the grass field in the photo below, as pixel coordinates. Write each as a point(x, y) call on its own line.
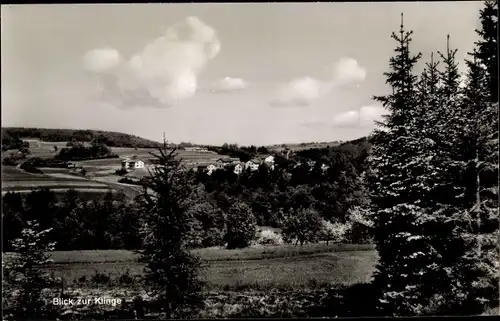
point(256, 267)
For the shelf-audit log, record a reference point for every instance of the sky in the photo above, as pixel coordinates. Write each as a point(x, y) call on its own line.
point(247, 73)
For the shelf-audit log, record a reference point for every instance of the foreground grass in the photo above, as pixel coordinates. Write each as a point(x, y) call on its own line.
point(265, 267)
point(209, 254)
point(310, 271)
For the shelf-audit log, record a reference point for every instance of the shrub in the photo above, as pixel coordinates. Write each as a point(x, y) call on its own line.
point(9, 161)
point(208, 226)
point(121, 171)
point(335, 232)
point(360, 226)
point(100, 278)
point(30, 281)
point(126, 278)
point(302, 226)
point(269, 237)
point(241, 226)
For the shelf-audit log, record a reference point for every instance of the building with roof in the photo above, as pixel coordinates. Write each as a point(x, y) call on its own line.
point(130, 163)
point(252, 164)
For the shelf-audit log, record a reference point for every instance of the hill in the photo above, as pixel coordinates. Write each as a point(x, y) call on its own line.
point(112, 139)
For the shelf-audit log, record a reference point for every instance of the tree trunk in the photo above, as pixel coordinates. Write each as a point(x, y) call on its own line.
point(478, 203)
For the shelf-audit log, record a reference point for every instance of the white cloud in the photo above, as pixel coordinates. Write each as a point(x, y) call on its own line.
point(371, 113)
point(300, 92)
point(101, 60)
point(228, 84)
point(348, 71)
point(163, 73)
point(306, 90)
point(364, 117)
point(347, 119)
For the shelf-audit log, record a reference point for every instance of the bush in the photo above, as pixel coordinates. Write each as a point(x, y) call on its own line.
point(33, 248)
point(100, 278)
point(121, 171)
point(9, 161)
point(208, 226)
point(335, 232)
point(28, 167)
point(360, 227)
point(126, 279)
point(269, 237)
point(302, 226)
point(241, 226)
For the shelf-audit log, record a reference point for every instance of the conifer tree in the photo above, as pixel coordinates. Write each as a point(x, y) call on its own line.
point(171, 271)
point(487, 46)
point(398, 190)
point(479, 158)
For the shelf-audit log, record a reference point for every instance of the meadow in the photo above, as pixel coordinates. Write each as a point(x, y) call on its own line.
point(258, 267)
point(17, 180)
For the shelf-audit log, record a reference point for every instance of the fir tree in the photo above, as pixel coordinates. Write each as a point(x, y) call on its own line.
point(399, 190)
point(487, 46)
point(479, 157)
point(171, 271)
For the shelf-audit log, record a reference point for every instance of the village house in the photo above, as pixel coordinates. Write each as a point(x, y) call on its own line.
point(132, 163)
point(252, 164)
point(211, 168)
point(238, 169)
point(222, 163)
point(269, 161)
point(205, 167)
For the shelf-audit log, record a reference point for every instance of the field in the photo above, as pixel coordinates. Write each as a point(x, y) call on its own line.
point(101, 175)
point(14, 179)
point(256, 267)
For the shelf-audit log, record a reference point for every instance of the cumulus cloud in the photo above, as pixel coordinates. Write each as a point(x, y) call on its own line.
point(163, 73)
point(101, 60)
point(300, 92)
point(306, 90)
point(228, 84)
point(362, 118)
point(348, 71)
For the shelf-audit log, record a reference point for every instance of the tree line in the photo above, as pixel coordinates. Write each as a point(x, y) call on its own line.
point(214, 202)
point(111, 139)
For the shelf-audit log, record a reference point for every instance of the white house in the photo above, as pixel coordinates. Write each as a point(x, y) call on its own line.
point(220, 163)
point(211, 168)
point(269, 160)
point(252, 164)
point(132, 163)
point(238, 169)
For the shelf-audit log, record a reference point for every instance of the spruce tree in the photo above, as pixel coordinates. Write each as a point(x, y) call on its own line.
point(398, 190)
point(450, 270)
point(487, 46)
point(171, 271)
point(479, 157)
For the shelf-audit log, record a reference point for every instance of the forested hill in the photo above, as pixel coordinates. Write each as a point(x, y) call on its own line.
point(112, 139)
